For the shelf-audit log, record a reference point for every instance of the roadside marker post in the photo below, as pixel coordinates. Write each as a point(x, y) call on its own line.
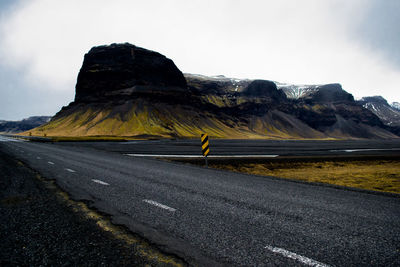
point(205, 148)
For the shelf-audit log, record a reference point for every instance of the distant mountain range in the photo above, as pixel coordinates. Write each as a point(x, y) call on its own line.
point(23, 125)
point(125, 90)
point(388, 114)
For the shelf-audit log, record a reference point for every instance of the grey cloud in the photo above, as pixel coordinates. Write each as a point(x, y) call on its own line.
point(18, 100)
point(380, 29)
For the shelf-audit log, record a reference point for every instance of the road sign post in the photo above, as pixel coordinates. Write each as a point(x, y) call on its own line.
point(205, 148)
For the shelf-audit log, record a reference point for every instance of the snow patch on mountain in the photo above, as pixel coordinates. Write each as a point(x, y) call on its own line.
point(388, 114)
point(395, 105)
point(294, 91)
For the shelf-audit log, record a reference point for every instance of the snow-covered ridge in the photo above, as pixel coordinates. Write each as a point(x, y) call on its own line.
point(373, 107)
point(395, 105)
point(236, 83)
point(389, 114)
point(221, 78)
point(294, 91)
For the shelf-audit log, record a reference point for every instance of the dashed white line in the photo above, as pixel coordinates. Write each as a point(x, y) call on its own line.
point(51, 163)
point(294, 256)
point(100, 182)
point(38, 157)
point(155, 203)
point(69, 170)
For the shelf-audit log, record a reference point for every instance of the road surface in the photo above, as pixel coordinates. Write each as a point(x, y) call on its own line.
point(221, 147)
point(212, 217)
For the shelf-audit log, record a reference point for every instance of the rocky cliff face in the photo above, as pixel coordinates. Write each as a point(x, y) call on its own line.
point(130, 91)
point(327, 109)
point(329, 93)
point(124, 69)
point(264, 89)
point(389, 115)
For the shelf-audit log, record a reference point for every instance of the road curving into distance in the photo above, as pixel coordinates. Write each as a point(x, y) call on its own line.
point(212, 217)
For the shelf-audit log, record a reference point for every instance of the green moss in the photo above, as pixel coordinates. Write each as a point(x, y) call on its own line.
point(148, 119)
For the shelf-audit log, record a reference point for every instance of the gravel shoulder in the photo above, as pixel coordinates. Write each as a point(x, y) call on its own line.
point(41, 226)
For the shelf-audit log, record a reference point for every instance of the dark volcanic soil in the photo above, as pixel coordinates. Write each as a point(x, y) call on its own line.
point(38, 228)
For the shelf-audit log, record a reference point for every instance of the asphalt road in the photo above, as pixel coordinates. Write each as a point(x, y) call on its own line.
point(212, 217)
point(220, 147)
point(40, 227)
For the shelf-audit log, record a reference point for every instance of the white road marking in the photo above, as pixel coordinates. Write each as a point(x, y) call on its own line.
point(294, 256)
point(364, 149)
point(70, 170)
point(51, 163)
point(199, 156)
point(9, 139)
point(100, 182)
point(38, 157)
point(155, 203)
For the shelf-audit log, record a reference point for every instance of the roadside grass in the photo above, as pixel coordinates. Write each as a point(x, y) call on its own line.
point(371, 174)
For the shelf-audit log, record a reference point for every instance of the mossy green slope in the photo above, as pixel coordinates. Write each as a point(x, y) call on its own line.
point(141, 117)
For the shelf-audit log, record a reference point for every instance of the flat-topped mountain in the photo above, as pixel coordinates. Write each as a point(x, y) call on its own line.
point(124, 69)
point(125, 90)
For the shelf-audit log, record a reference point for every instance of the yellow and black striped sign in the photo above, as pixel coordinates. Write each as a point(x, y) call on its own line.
point(205, 145)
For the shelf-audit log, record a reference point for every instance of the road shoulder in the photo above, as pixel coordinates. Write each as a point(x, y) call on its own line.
point(42, 226)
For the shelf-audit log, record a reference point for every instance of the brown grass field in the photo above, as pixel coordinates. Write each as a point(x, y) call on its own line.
point(371, 173)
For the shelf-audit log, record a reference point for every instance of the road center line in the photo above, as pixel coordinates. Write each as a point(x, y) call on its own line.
point(51, 163)
point(100, 182)
point(155, 203)
point(294, 256)
point(38, 157)
point(70, 170)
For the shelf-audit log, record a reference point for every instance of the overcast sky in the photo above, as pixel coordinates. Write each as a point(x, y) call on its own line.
point(352, 42)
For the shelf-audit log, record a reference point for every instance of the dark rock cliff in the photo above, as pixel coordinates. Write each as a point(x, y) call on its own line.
point(373, 99)
point(124, 69)
point(264, 89)
point(389, 115)
point(331, 93)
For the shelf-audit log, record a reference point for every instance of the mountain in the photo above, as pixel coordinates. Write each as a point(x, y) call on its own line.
point(293, 91)
point(388, 114)
point(395, 105)
point(23, 125)
point(326, 109)
point(126, 90)
point(123, 69)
